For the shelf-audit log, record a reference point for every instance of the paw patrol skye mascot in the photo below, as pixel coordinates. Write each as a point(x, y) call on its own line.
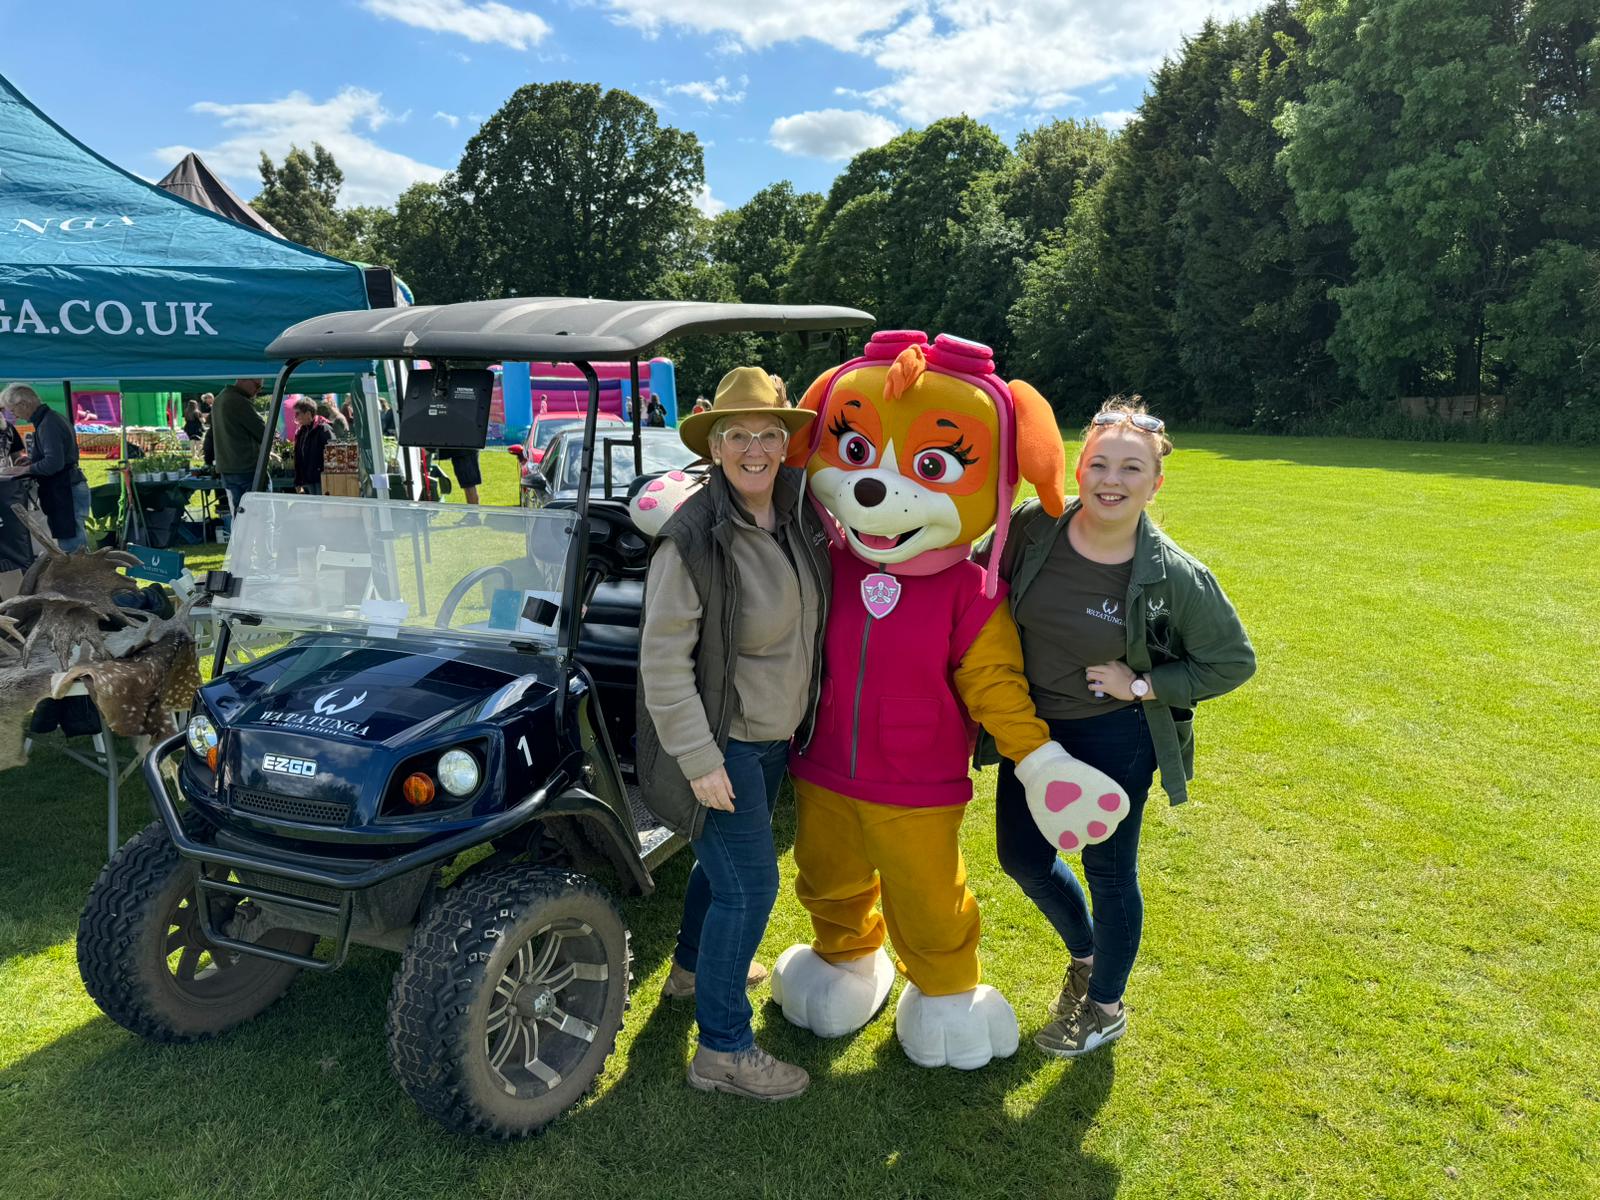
point(915, 454)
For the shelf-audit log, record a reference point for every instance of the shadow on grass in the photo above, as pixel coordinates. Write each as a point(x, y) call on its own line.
point(1521, 464)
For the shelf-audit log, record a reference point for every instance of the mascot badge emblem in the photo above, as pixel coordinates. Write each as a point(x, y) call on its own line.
point(917, 452)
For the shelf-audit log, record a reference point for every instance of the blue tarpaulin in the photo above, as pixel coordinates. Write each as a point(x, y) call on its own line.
point(103, 275)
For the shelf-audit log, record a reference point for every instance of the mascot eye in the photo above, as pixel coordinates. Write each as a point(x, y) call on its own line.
point(939, 466)
point(856, 450)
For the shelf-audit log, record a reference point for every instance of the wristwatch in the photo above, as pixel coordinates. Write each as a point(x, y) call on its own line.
point(1140, 687)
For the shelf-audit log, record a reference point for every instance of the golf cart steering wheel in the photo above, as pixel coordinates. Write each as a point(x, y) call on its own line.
point(471, 580)
point(614, 544)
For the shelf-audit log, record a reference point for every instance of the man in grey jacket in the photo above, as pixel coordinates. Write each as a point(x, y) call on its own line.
point(52, 464)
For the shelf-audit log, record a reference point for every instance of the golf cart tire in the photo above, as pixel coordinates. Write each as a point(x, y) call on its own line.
point(452, 1005)
point(125, 945)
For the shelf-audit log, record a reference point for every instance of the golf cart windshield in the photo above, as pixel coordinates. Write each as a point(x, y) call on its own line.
point(391, 567)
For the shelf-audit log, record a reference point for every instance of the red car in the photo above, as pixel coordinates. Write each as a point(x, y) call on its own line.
point(543, 431)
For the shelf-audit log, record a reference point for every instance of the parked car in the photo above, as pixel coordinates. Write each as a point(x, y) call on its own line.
point(431, 755)
point(557, 478)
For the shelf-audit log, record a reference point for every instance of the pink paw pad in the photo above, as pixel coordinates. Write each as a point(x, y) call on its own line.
point(1097, 829)
point(1058, 795)
point(655, 485)
point(647, 503)
point(1111, 802)
point(676, 476)
point(1069, 841)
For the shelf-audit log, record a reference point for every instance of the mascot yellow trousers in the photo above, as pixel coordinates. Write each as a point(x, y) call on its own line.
point(850, 854)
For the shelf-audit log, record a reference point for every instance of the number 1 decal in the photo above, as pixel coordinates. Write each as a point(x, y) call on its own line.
point(522, 744)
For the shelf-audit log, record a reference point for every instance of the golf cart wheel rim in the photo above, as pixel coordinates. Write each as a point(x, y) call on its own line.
point(546, 1007)
point(196, 966)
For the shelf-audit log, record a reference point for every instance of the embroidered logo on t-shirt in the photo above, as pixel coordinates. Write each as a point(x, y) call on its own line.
point(1109, 610)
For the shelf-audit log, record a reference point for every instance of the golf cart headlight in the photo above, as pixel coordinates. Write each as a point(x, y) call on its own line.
point(202, 735)
point(458, 771)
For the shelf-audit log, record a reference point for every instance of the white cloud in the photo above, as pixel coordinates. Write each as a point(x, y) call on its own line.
point(1116, 119)
point(449, 119)
point(716, 91)
point(485, 23)
point(372, 174)
point(832, 133)
point(708, 204)
point(1110, 87)
point(958, 56)
point(838, 23)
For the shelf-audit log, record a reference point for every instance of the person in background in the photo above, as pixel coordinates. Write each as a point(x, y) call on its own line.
point(347, 410)
point(311, 438)
point(730, 662)
point(330, 413)
point(468, 473)
point(207, 401)
point(701, 404)
point(86, 416)
point(1122, 635)
point(655, 414)
point(52, 465)
point(237, 432)
point(386, 420)
point(193, 422)
point(782, 389)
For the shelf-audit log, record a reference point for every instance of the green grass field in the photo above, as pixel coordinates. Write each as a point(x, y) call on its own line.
point(1369, 960)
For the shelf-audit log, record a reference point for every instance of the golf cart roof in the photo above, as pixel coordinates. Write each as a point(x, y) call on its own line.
point(546, 329)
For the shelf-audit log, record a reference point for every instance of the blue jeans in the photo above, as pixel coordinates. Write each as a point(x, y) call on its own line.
point(81, 505)
point(732, 889)
point(1117, 743)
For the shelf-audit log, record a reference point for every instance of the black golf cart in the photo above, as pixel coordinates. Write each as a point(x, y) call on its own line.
point(431, 751)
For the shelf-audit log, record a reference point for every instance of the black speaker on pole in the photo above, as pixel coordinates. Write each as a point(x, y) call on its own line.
point(380, 287)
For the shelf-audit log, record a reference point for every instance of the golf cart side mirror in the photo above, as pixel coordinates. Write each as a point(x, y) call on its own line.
point(516, 452)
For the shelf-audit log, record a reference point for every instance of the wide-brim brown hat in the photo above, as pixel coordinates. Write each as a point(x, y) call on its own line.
point(743, 392)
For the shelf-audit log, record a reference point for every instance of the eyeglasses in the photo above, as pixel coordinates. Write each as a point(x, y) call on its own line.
point(770, 440)
point(1142, 421)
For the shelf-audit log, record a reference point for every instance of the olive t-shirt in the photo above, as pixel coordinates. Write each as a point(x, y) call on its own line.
point(1070, 619)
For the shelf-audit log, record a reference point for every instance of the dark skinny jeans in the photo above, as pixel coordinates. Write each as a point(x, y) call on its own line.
point(732, 889)
point(1117, 743)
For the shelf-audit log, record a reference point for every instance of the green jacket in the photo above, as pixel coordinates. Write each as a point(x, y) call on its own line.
point(236, 432)
point(1181, 628)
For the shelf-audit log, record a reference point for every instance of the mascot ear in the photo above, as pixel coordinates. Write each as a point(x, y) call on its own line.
point(1040, 454)
point(800, 445)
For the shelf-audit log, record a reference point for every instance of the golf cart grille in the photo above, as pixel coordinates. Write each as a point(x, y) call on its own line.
point(289, 808)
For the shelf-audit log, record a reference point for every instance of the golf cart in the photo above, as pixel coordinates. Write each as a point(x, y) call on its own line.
point(431, 751)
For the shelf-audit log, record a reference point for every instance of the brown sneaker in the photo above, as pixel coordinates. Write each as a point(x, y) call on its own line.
point(680, 983)
point(751, 1073)
point(1084, 1029)
point(1074, 987)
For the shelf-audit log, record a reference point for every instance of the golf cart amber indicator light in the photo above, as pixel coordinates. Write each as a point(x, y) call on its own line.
point(418, 790)
point(211, 757)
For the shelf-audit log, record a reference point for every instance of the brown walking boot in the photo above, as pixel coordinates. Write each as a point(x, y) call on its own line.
point(680, 983)
point(751, 1073)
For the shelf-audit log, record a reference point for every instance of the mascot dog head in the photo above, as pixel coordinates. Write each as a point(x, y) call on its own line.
point(917, 450)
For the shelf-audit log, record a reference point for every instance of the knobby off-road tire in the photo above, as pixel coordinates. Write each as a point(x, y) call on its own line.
point(508, 1000)
point(144, 957)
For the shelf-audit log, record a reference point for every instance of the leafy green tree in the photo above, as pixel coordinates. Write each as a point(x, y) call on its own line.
point(760, 239)
point(1052, 165)
point(1251, 314)
point(884, 238)
point(571, 190)
point(301, 198)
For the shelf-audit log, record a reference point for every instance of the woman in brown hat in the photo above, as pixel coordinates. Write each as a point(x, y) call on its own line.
point(730, 660)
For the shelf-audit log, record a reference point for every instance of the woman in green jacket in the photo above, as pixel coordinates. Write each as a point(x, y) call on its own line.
point(1122, 635)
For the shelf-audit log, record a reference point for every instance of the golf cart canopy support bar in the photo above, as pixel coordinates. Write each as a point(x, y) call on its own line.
point(542, 329)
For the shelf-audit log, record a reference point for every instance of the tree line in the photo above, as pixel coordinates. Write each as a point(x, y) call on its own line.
point(1315, 211)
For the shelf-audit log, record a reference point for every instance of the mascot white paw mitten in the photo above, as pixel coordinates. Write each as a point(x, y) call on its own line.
point(916, 453)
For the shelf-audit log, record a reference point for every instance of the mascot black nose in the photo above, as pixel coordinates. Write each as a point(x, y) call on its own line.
point(870, 492)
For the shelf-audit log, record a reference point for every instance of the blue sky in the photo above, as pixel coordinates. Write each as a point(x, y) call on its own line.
point(395, 87)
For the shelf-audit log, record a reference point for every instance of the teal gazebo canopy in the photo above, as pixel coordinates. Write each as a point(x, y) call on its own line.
point(103, 275)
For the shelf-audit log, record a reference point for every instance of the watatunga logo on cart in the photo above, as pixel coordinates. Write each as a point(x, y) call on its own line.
point(313, 722)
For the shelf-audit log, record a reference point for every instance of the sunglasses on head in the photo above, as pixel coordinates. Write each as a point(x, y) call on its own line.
point(1142, 421)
